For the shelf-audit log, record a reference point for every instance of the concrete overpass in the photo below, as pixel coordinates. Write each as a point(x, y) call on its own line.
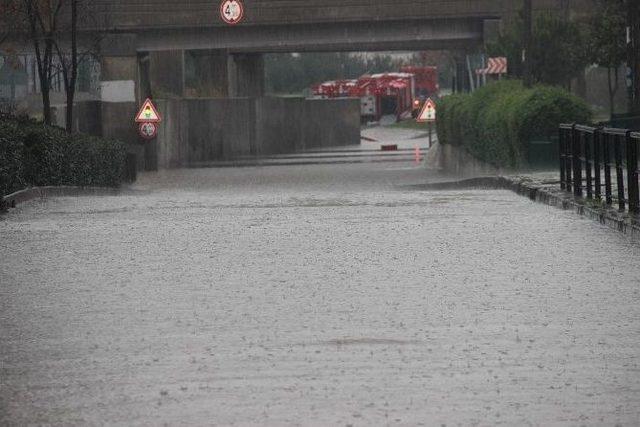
point(294, 25)
point(137, 27)
point(144, 52)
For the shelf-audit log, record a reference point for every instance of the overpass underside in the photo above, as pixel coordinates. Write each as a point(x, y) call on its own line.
point(230, 58)
point(151, 62)
point(353, 36)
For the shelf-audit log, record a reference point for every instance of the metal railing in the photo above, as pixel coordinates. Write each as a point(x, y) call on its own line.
point(591, 157)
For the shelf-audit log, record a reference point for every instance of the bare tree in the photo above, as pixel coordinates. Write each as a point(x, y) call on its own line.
point(72, 51)
point(42, 18)
point(68, 63)
point(52, 28)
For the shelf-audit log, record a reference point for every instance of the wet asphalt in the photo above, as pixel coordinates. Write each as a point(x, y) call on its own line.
point(324, 294)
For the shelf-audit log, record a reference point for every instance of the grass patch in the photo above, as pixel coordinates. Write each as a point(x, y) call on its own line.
point(411, 124)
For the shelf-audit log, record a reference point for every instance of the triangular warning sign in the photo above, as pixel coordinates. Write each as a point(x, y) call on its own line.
point(428, 112)
point(148, 113)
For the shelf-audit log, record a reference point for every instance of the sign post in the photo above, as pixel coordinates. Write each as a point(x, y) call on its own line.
point(428, 115)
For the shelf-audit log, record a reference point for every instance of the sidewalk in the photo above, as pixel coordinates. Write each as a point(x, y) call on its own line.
point(544, 187)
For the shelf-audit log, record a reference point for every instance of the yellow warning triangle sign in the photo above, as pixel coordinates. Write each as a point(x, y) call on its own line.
point(428, 112)
point(148, 113)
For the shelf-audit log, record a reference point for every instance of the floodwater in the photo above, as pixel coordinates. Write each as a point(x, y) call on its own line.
point(314, 295)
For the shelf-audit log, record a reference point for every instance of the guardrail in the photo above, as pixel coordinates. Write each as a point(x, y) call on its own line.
point(589, 156)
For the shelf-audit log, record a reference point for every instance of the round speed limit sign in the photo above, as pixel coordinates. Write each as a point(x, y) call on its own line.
point(148, 130)
point(232, 11)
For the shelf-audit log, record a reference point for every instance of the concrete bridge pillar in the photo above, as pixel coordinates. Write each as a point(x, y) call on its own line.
point(166, 73)
point(461, 76)
point(118, 88)
point(246, 75)
point(206, 73)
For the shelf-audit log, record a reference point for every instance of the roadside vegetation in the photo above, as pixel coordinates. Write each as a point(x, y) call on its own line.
point(35, 154)
point(496, 123)
point(411, 124)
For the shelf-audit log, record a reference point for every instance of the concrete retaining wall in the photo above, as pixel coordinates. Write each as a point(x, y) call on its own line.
point(279, 125)
point(87, 117)
point(197, 131)
point(458, 162)
point(331, 122)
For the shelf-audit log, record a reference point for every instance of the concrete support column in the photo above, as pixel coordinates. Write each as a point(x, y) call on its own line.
point(119, 71)
point(120, 95)
point(246, 75)
point(119, 74)
point(207, 75)
point(462, 83)
point(166, 73)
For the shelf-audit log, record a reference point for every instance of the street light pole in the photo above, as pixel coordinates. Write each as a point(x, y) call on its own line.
point(526, 43)
point(633, 54)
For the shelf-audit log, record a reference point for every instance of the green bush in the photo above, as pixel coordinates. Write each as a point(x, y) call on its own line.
point(33, 154)
point(496, 122)
point(11, 158)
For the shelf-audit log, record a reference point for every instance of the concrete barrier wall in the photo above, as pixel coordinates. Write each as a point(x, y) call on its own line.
point(87, 117)
point(331, 122)
point(458, 162)
point(197, 131)
point(169, 154)
point(204, 130)
point(279, 124)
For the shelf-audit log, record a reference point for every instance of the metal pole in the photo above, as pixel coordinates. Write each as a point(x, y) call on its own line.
point(568, 144)
point(608, 187)
point(577, 162)
point(633, 56)
point(526, 43)
point(632, 174)
point(587, 138)
point(563, 175)
point(471, 82)
point(597, 162)
point(619, 172)
point(430, 133)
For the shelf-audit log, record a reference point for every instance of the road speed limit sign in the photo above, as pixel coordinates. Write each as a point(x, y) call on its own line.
point(232, 11)
point(148, 130)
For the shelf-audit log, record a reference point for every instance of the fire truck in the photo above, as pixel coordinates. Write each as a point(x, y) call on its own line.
point(426, 87)
point(380, 94)
point(384, 94)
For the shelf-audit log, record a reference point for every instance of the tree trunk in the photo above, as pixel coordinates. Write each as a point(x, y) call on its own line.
point(46, 102)
point(70, 80)
point(69, 118)
point(45, 81)
point(526, 42)
point(43, 60)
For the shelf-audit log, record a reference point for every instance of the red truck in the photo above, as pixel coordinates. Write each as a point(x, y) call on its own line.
point(398, 94)
point(426, 86)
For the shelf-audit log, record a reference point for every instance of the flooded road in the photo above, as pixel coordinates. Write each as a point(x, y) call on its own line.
point(314, 295)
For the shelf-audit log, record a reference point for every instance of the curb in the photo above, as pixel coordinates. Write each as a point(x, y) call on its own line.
point(619, 221)
point(22, 196)
point(366, 138)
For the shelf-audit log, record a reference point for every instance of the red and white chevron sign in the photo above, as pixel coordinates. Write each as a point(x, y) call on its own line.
point(495, 66)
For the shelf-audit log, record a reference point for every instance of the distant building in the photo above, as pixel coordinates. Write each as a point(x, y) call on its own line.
point(13, 81)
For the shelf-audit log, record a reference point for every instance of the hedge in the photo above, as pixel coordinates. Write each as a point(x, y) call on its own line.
point(33, 154)
point(496, 122)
